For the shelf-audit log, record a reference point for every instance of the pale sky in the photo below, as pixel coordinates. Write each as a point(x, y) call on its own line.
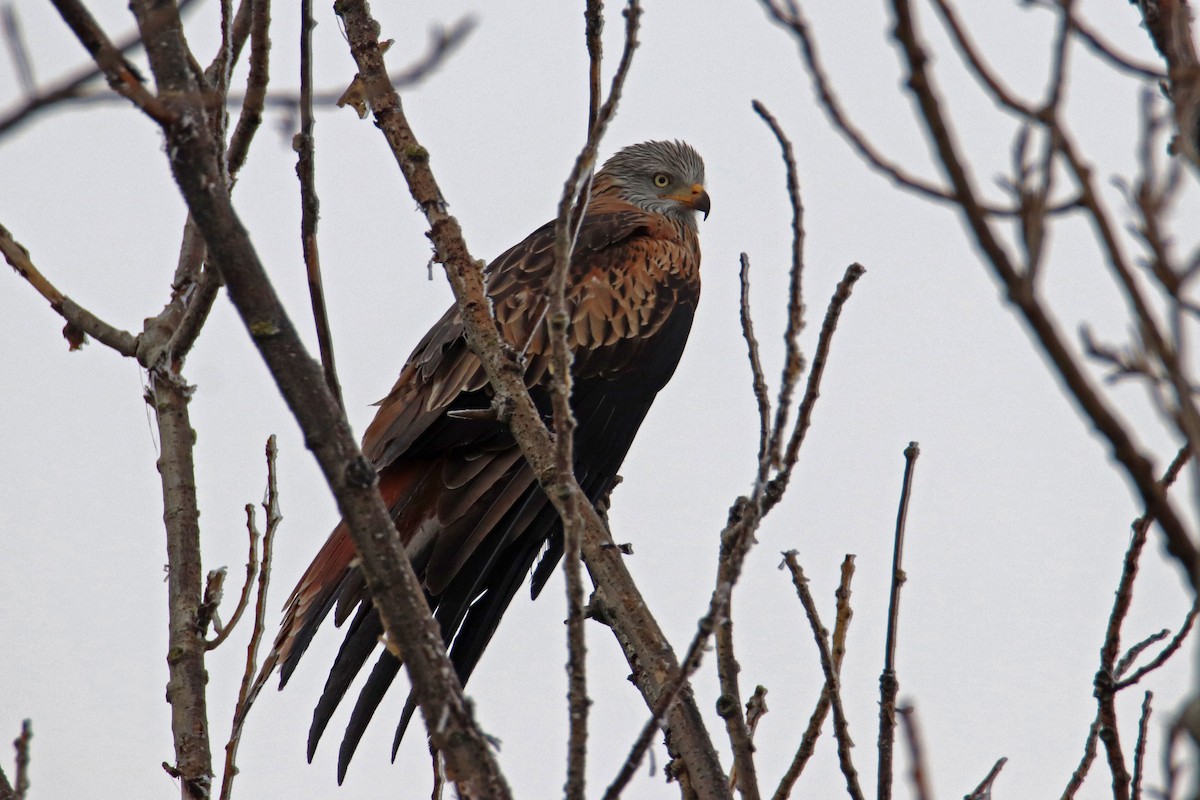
point(1017, 525)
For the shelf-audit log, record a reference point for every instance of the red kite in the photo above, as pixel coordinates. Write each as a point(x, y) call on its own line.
point(466, 504)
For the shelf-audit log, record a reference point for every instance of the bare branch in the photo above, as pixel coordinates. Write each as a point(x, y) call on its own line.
point(250, 687)
point(1139, 749)
point(1136, 465)
point(743, 774)
point(833, 686)
point(1085, 763)
point(759, 382)
point(969, 52)
point(70, 87)
point(1169, 650)
point(1106, 51)
point(247, 586)
point(808, 742)
point(122, 76)
point(21, 775)
point(984, 790)
point(1169, 23)
point(793, 364)
point(17, 49)
point(889, 684)
point(833, 312)
point(305, 145)
point(80, 321)
point(916, 754)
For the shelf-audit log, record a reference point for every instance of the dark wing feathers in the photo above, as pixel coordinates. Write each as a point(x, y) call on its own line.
point(465, 502)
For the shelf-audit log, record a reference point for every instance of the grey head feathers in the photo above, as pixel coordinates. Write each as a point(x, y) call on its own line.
point(660, 177)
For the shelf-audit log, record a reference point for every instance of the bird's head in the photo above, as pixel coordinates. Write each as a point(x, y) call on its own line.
point(661, 177)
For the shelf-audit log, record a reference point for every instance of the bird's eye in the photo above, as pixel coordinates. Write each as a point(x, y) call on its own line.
point(662, 180)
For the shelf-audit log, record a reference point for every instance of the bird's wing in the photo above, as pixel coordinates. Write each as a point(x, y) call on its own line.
point(465, 503)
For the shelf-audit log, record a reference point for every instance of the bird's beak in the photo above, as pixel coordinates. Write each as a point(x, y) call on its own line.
point(697, 199)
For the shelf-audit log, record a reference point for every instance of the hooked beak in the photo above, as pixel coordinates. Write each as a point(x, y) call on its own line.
point(697, 199)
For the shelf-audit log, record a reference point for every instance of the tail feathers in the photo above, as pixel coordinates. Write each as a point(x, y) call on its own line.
point(331, 575)
point(361, 640)
point(312, 600)
point(369, 698)
point(410, 706)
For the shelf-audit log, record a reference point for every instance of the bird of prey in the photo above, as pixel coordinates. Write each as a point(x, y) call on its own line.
point(468, 508)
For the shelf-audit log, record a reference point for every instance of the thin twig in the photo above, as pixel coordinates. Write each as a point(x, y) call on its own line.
point(22, 745)
point(1107, 52)
point(984, 790)
point(248, 692)
point(793, 364)
point(1167, 651)
point(916, 754)
point(593, 16)
point(18, 50)
point(306, 149)
point(969, 52)
point(778, 484)
point(122, 76)
point(247, 586)
point(1085, 763)
point(889, 684)
point(759, 378)
point(255, 97)
point(743, 774)
point(1139, 749)
point(841, 730)
point(80, 321)
point(70, 87)
point(1131, 655)
point(1105, 682)
point(744, 517)
point(808, 741)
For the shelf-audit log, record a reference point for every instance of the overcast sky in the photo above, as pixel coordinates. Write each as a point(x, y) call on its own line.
point(1017, 525)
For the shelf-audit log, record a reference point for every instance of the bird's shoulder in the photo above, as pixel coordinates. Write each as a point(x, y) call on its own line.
point(629, 271)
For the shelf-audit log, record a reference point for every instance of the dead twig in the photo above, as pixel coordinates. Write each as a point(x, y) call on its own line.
point(122, 76)
point(223, 631)
point(306, 149)
point(250, 687)
point(1164, 654)
point(889, 685)
point(1139, 749)
point(81, 323)
point(68, 88)
point(833, 686)
point(916, 754)
point(793, 362)
point(759, 378)
point(808, 741)
point(16, 47)
point(984, 790)
point(1085, 763)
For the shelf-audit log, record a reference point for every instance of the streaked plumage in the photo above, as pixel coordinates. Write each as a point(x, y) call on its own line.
point(465, 502)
